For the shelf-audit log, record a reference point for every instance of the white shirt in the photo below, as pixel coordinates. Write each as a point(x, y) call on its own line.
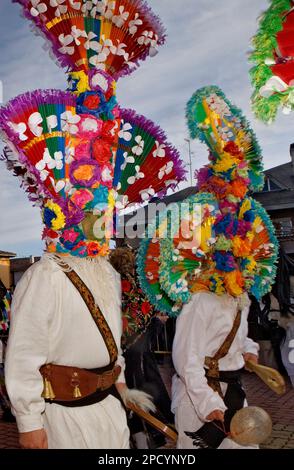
point(50, 323)
point(201, 329)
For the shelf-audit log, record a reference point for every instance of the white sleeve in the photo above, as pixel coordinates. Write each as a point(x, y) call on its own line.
point(27, 351)
point(189, 354)
point(250, 346)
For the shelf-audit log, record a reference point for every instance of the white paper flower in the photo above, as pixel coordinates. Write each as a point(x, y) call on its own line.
point(139, 175)
point(90, 125)
point(60, 8)
point(128, 160)
point(58, 186)
point(93, 7)
point(50, 163)
point(57, 160)
point(66, 41)
point(133, 24)
point(89, 43)
point(165, 170)
point(106, 175)
point(69, 155)
point(77, 34)
point(98, 80)
point(138, 149)
point(104, 8)
point(122, 201)
point(119, 20)
point(159, 151)
point(69, 188)
point(218, 105)
point(75, 5)
point(103, 52)
point(148, 38)
point(42, 164)
point(146, 194)
point(34, 122)
point(124, 132)
point(19, 129)
point(52, 122)
point(37, 7)
point(69, 122)
point(120, 50)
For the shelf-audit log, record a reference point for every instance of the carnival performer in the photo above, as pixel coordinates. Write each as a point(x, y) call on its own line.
point(207, 387)
point(219, 247)
point(78, 156)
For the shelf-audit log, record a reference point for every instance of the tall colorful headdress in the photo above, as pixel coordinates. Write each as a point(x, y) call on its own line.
point(273, 55)
point(78, 154)
point(219, 240)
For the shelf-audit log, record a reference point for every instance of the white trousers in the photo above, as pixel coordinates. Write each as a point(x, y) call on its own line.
point(99, 426)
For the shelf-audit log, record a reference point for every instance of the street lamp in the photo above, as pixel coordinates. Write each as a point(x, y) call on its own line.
point(190, 159)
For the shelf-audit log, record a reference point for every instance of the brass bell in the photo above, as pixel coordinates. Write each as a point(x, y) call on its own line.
point(48, 392)
point(77, 392)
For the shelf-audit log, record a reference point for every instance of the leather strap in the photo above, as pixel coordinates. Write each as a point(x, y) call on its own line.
point(96, 313)
point(64, 379)
point(213, 362)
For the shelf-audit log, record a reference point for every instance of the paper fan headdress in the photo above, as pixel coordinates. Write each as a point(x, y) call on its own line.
point(273, 55)
point(78, 154)
point(219, 240)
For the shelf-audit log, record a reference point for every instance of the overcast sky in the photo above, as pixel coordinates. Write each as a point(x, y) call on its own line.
point(208, 43)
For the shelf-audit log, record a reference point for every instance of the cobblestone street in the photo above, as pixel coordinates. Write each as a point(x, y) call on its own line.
point(280, 408)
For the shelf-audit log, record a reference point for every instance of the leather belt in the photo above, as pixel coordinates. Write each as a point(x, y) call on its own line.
point(65, 383)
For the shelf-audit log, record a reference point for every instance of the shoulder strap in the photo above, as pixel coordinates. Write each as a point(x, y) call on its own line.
point(225, 347)
point(212, 362)
point(96, 313)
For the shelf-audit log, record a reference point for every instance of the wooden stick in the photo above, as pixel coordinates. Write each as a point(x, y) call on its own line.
point(159, 425)
point(271, 377)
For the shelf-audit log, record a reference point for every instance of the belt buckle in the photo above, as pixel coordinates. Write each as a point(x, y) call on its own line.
point(104, 382)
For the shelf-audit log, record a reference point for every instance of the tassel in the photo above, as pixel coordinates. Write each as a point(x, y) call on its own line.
point(48, 392)
point(77, 392)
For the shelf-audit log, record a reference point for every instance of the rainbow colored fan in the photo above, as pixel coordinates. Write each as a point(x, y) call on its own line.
point(85, 35)
point(219, 240)
point(273, 73)
point(81, 164)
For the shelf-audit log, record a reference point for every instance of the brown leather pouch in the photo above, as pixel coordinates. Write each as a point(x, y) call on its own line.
point(64, 383)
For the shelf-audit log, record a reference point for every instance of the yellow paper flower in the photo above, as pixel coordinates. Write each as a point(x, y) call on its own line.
point(226, 162)
point(58, 222)
point(241, 248)
point(246, 206)
point(234, 283)
point(83, 81)
point(251, 266)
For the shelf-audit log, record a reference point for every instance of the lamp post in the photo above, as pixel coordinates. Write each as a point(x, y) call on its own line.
point(190, 160)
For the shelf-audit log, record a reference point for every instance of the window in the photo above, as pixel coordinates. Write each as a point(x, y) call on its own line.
point(270, 185)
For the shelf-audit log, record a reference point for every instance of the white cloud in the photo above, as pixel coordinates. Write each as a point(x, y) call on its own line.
point(207, 43)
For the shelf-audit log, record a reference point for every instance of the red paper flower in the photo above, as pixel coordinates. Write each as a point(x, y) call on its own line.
point(48, 232)
point(92, 102)
point(145, 307)
point(101, 151)
point(93, 248)
point(233, 149)
point(126, 286)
